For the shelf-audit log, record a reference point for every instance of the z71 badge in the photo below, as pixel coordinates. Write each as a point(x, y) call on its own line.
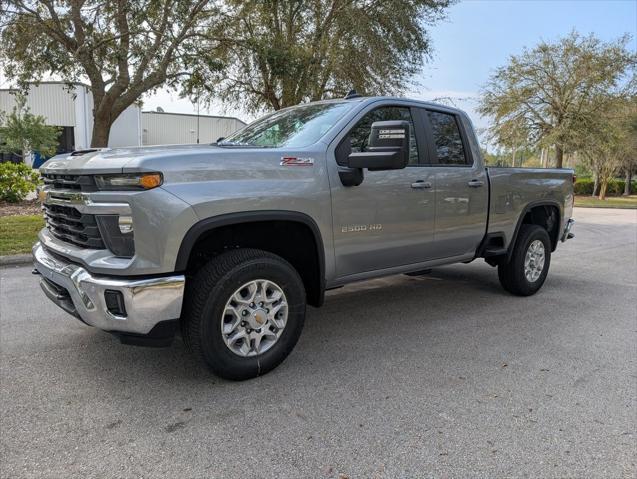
point(294, 161)
point(361, 228)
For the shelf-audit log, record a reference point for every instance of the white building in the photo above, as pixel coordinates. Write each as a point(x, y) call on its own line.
point(160, 128)
point(71, 109)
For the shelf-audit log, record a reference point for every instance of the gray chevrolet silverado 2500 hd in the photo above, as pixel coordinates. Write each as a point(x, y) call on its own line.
point(228, 242)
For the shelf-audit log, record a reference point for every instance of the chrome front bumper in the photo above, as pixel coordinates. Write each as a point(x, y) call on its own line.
point(148, 301)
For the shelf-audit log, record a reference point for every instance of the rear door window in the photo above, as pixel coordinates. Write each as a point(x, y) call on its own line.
point(447, 139)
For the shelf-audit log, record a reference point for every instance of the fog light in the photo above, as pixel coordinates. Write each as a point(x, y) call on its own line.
point(125, 224)
point(112, 230)
point(115, 302)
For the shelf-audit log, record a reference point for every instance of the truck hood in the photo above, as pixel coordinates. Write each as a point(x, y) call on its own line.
point(114, 160)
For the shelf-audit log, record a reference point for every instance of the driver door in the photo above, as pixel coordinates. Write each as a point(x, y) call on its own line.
point(388, 219)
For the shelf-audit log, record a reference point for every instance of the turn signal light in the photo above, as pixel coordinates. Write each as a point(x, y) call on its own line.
point(150, 180)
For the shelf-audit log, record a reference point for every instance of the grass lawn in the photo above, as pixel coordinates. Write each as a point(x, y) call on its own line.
point(18, 233)
point(609, 202)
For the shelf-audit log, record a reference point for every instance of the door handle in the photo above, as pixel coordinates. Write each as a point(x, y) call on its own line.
point(421, 184)
point(476, 183)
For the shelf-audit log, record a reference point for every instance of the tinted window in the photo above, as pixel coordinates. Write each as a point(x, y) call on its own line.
point(359, 135)
point(447, 139)
point(298, 126)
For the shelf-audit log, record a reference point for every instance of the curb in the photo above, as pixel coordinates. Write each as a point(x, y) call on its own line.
point(16, 259)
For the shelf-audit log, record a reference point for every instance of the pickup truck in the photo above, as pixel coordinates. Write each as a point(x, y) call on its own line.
point(225, 244)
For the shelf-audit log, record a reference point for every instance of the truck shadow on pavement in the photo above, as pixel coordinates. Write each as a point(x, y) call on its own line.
point(413, 311)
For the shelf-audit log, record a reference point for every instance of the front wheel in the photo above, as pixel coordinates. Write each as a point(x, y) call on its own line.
point(244, 313)
point(526, 271)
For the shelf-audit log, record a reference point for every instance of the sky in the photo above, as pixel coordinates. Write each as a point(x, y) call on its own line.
point(480, 35)
point(477, 37)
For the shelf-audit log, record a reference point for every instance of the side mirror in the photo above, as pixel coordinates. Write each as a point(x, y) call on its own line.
point(388, 147)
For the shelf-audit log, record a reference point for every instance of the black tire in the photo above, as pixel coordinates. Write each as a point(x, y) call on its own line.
point(206, 298)
point(511, 274)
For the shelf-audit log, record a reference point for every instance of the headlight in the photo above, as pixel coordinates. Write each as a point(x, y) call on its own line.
point(129, 181)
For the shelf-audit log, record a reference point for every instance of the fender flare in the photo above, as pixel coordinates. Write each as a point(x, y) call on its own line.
point(208, 224)
point(525, 210)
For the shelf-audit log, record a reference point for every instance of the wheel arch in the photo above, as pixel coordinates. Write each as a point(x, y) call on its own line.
point(312, 271)
point(539, 212)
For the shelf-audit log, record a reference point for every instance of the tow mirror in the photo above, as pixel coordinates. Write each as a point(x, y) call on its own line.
point(388, 147)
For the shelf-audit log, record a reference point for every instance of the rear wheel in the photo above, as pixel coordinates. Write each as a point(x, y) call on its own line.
point(244, 313)
point(526, 271)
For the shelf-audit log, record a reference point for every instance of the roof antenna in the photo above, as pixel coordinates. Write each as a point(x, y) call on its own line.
point(352, 94)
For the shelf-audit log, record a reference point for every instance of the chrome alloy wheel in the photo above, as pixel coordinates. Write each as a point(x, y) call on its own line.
point(534, 261)
point(254, 318)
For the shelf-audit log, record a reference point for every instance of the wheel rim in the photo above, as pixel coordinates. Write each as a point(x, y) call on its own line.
point(254, 318)
point(534, 261)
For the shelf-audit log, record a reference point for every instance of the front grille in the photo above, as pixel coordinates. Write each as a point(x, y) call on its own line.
point(68, 224)
point(69, 182)
point(65, 222)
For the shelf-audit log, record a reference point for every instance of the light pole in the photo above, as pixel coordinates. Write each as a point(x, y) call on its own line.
point(197, 119)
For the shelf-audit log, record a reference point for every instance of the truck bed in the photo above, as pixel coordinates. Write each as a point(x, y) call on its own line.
point(513, 190)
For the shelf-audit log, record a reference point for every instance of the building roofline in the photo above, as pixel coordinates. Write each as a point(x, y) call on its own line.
point(193, 115)
point(52, 82)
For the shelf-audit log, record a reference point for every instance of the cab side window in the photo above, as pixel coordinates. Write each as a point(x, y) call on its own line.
point(447, 139)
point(359, 135)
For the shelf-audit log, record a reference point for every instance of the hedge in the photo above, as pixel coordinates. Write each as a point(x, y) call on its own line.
point(17, 180)
point(584, 186)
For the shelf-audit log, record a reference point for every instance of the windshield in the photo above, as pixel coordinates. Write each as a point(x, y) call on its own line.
point(294, 127)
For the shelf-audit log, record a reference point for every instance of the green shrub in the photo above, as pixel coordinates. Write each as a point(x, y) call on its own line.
point(17, 180)
point(584, 186)
point(582, 171)
point(616, 187)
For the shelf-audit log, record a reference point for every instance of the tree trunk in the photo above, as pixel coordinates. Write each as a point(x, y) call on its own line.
point(545, 158)
point(25, 156)
point(559, 156)
point(629, 178)
point(101, 131)
point(595, 186)
point(603, 187)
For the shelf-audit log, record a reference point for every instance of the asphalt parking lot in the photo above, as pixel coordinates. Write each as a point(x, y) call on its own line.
point(444, 375)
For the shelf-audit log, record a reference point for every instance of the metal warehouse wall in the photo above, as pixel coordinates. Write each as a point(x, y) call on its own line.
point(74, 108)
point(174, 128)
point(126, 129)
point(51, 100)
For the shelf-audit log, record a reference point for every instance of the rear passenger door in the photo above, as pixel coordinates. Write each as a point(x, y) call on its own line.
point(462, 193)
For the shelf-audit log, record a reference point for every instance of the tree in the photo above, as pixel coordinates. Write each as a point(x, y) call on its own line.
point(609, 142)
point(555, 88)
point(289, 51)
point(123, 48)
point(22, 132)
point(629, 164)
